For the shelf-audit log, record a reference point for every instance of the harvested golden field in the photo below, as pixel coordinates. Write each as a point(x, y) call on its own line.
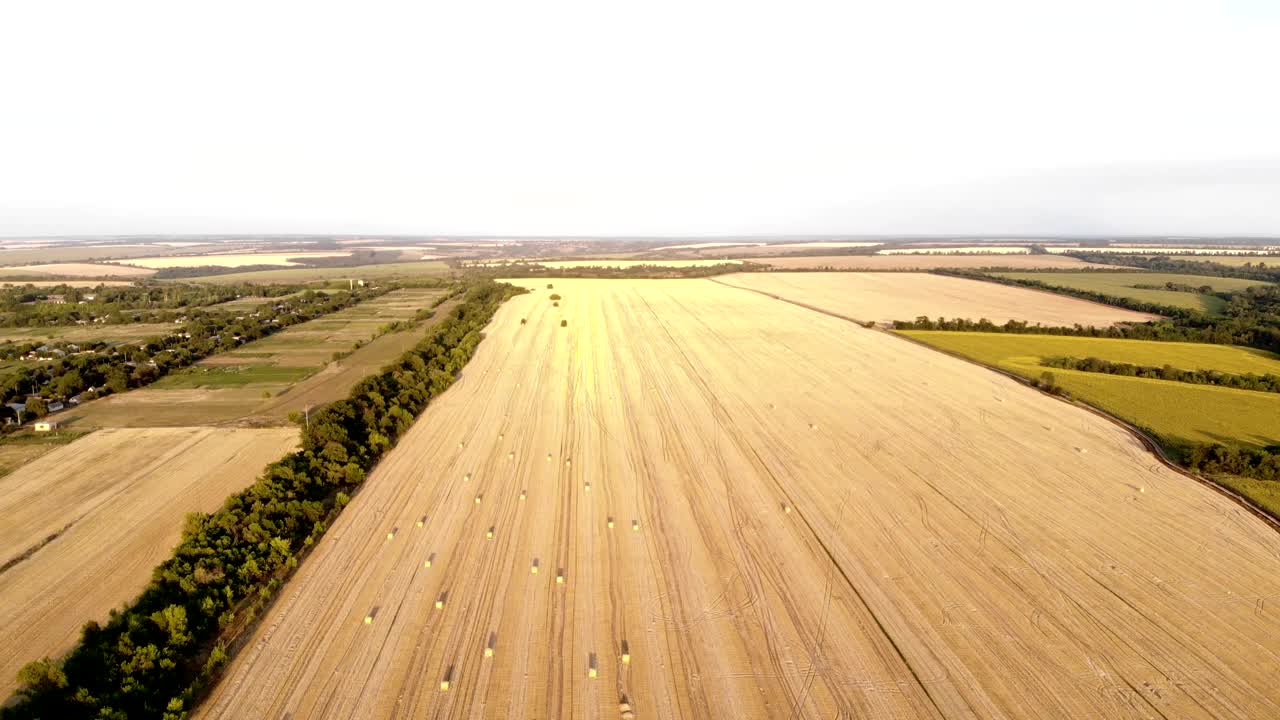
point(953, 249)
point(97, 515)
point(561, 264)
point(84, 270)
point(1170, 250)
point(765, 249)
point(885, 297)
point(707, 503)
point(69, 283)
point(927, 262)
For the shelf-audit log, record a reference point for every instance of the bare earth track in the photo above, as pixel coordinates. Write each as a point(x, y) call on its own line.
point(84, 525)
point(829, 522)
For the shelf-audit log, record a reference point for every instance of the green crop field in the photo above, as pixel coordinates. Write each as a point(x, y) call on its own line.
point(234, 384)
point(218, 376)
point(1121, 284)
point(1266, 494)
point(1172, 410)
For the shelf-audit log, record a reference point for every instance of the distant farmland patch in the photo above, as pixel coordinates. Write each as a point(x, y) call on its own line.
point(1173, 410)
point(925, 262)
point(228, 260)
point(259, 379)
point(632, 263)
point(426, 268)
point(884, 297)
point(85, 270)
point(963, 250)
point(1125, 285)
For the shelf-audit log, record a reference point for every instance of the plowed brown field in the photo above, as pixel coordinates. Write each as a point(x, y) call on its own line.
point(829, 522)
point(114, 504)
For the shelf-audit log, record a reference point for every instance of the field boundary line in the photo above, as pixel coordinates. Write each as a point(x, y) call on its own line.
point(1142, 436)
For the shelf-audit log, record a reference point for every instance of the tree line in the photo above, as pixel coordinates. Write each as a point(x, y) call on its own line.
point(30, 306)
point(153, 658)
point(1247, 381)
point(1214, 458)
point(206, 332)
point(1263, 267)
point(1251, 316)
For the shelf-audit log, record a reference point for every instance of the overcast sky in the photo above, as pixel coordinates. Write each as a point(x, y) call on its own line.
point(640, 118)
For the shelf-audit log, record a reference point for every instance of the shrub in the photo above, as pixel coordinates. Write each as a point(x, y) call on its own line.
point(564, 323)
point(555, 296)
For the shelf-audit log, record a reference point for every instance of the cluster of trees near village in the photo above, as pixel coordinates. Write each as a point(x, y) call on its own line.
point(153, 658)
point(29, 306)
point(206, 331)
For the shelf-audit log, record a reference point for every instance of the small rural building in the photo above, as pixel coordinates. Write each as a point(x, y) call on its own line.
point(46, 426)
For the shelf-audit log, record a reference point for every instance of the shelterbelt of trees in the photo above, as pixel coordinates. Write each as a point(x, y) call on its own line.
point(207, 331)
point(1248, 381)
point(1251, 317)
point(29, 306)
point(153, 658)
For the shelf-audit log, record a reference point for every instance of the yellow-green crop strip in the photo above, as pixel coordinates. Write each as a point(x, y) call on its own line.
point(1121, 284)
point(1174, 410)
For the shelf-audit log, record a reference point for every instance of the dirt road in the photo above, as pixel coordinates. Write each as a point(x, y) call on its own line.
point(809, 519)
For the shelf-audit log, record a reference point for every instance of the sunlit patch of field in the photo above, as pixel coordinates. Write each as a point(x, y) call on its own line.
point(674, 498)
point(885, 297)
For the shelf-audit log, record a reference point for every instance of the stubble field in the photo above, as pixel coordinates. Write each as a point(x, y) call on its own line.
point(809, 519)
point(94, 517)
point(927, 262)
point(885, 297)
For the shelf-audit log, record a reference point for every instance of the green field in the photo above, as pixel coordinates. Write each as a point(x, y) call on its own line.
point(220, 376)
point(1121, 284)
point(1266, 494)
point(427, 268)
point(1172, 410)
point(299, 359)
